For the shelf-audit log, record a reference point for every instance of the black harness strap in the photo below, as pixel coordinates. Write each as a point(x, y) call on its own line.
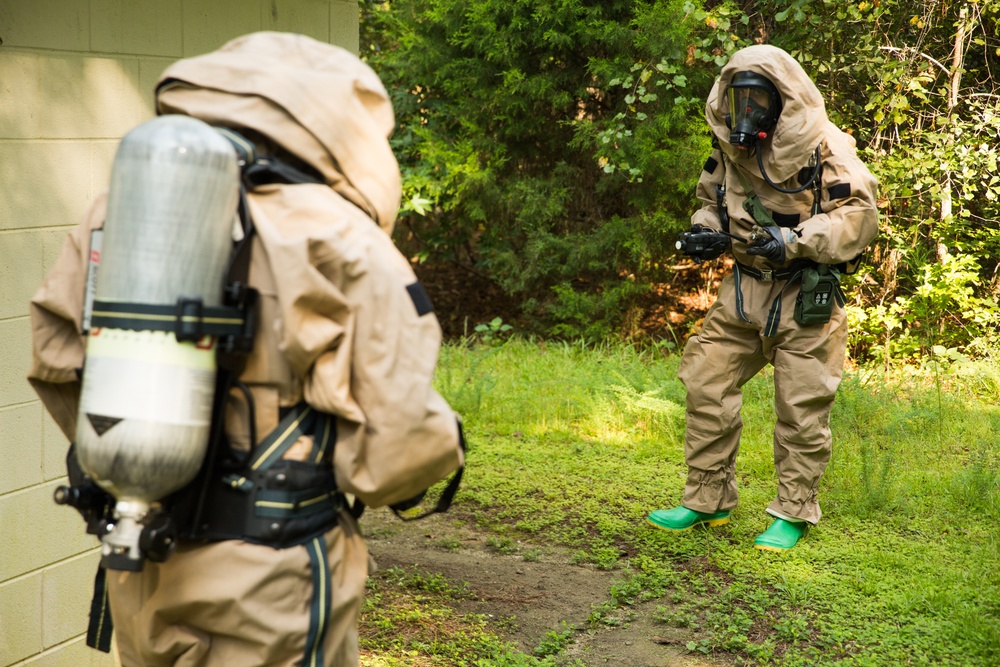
point(788, 273)
point(321, 604)
point(773, 318)
point(189, 319)
point(100, 627)
point(266, 499)
point(738, 284)
point(266, 170)
point(300, 420)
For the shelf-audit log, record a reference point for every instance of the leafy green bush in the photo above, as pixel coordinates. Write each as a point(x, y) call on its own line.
point(916, 86)
point(527, 154)
point(554, 146)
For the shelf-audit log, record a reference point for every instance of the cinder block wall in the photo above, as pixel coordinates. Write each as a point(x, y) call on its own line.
point(75, 75)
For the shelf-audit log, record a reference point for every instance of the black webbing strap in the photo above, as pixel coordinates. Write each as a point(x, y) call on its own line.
point(817, 208)
point(444, 500)
point(287, 504)
point(773, 318)
point(210, 522)
point(100, 626)
point(302, 419)
point(738, 284)
point(260, 169)
point(321, 603)
point(189, 319)
point(790, 272)
point(266, 170)
point(268, 499)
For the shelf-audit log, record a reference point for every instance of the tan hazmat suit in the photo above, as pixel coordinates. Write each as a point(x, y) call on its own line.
point(743, 330)
point(338, 329)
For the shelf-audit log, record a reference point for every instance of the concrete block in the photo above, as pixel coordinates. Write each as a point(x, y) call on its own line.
point(88, 97)
point(20, 115)
point(344, 24)
point(15, 358)
point(209, 25)
point(67, 589)
point(54, 447)
point(68, 96)
point(20, 271)
point(74, 654)
point(52, 242)
point(45, 24)
point(150, 70)
point(308, 17)
point(35, 532)
point(141, 27)
point(20, 618)
point(51, 183)
point(21, 433)
point(102, 157)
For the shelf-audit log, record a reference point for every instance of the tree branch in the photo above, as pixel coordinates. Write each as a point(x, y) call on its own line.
point(896, 49)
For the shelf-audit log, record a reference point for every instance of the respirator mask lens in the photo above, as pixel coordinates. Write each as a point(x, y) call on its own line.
point(750, 111)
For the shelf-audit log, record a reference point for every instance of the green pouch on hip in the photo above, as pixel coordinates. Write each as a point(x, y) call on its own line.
point(819, 290)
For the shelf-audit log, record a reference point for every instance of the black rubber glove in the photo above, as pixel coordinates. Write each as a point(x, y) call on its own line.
point(771, 247)
point(702, 243)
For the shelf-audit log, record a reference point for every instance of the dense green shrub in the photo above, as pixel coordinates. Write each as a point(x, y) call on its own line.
point(554, 145)
point(520, 150)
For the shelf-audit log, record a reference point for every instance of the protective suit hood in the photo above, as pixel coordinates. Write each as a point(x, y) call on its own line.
point(802, 125)
point(318, 101)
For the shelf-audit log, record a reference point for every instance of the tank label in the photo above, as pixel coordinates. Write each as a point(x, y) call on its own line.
point(93, 263)
point(101, 423)
point(147, 376)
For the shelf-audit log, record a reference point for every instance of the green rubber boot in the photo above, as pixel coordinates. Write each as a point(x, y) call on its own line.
point(780, 536)
point(681, 518)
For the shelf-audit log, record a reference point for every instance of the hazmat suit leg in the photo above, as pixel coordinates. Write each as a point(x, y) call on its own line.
point(808, 363)
point(717, 362)
point(236, 603)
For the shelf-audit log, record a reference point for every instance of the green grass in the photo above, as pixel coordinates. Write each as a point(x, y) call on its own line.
point(408, 620)
point(572, 445)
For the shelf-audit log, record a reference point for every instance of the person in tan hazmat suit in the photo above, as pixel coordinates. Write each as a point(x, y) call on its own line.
point(344, 329)
point(800, 206)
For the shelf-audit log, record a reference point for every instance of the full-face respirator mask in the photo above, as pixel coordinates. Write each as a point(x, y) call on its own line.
point(754, 107)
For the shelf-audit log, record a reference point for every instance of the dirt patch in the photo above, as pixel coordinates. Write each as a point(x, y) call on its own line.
point(530, 590)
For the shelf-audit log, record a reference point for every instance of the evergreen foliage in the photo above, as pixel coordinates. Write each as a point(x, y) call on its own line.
point(554, 146)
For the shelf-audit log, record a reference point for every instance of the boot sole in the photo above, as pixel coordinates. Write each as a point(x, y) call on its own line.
point(764, 547)
point(711, 523)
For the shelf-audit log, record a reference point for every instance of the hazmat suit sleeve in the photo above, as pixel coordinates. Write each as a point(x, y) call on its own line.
point(296, 225)
point(712, 174)
point(849, 221)
point(351, 323)
point(360, 332)
point(56, 314)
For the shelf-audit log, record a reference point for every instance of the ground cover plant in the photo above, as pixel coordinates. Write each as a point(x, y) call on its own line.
point(573, 444)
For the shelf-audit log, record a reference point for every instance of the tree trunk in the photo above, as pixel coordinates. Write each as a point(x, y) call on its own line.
point(958, 57)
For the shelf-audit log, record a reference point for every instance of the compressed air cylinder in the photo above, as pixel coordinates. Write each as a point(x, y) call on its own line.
point(145, 408)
